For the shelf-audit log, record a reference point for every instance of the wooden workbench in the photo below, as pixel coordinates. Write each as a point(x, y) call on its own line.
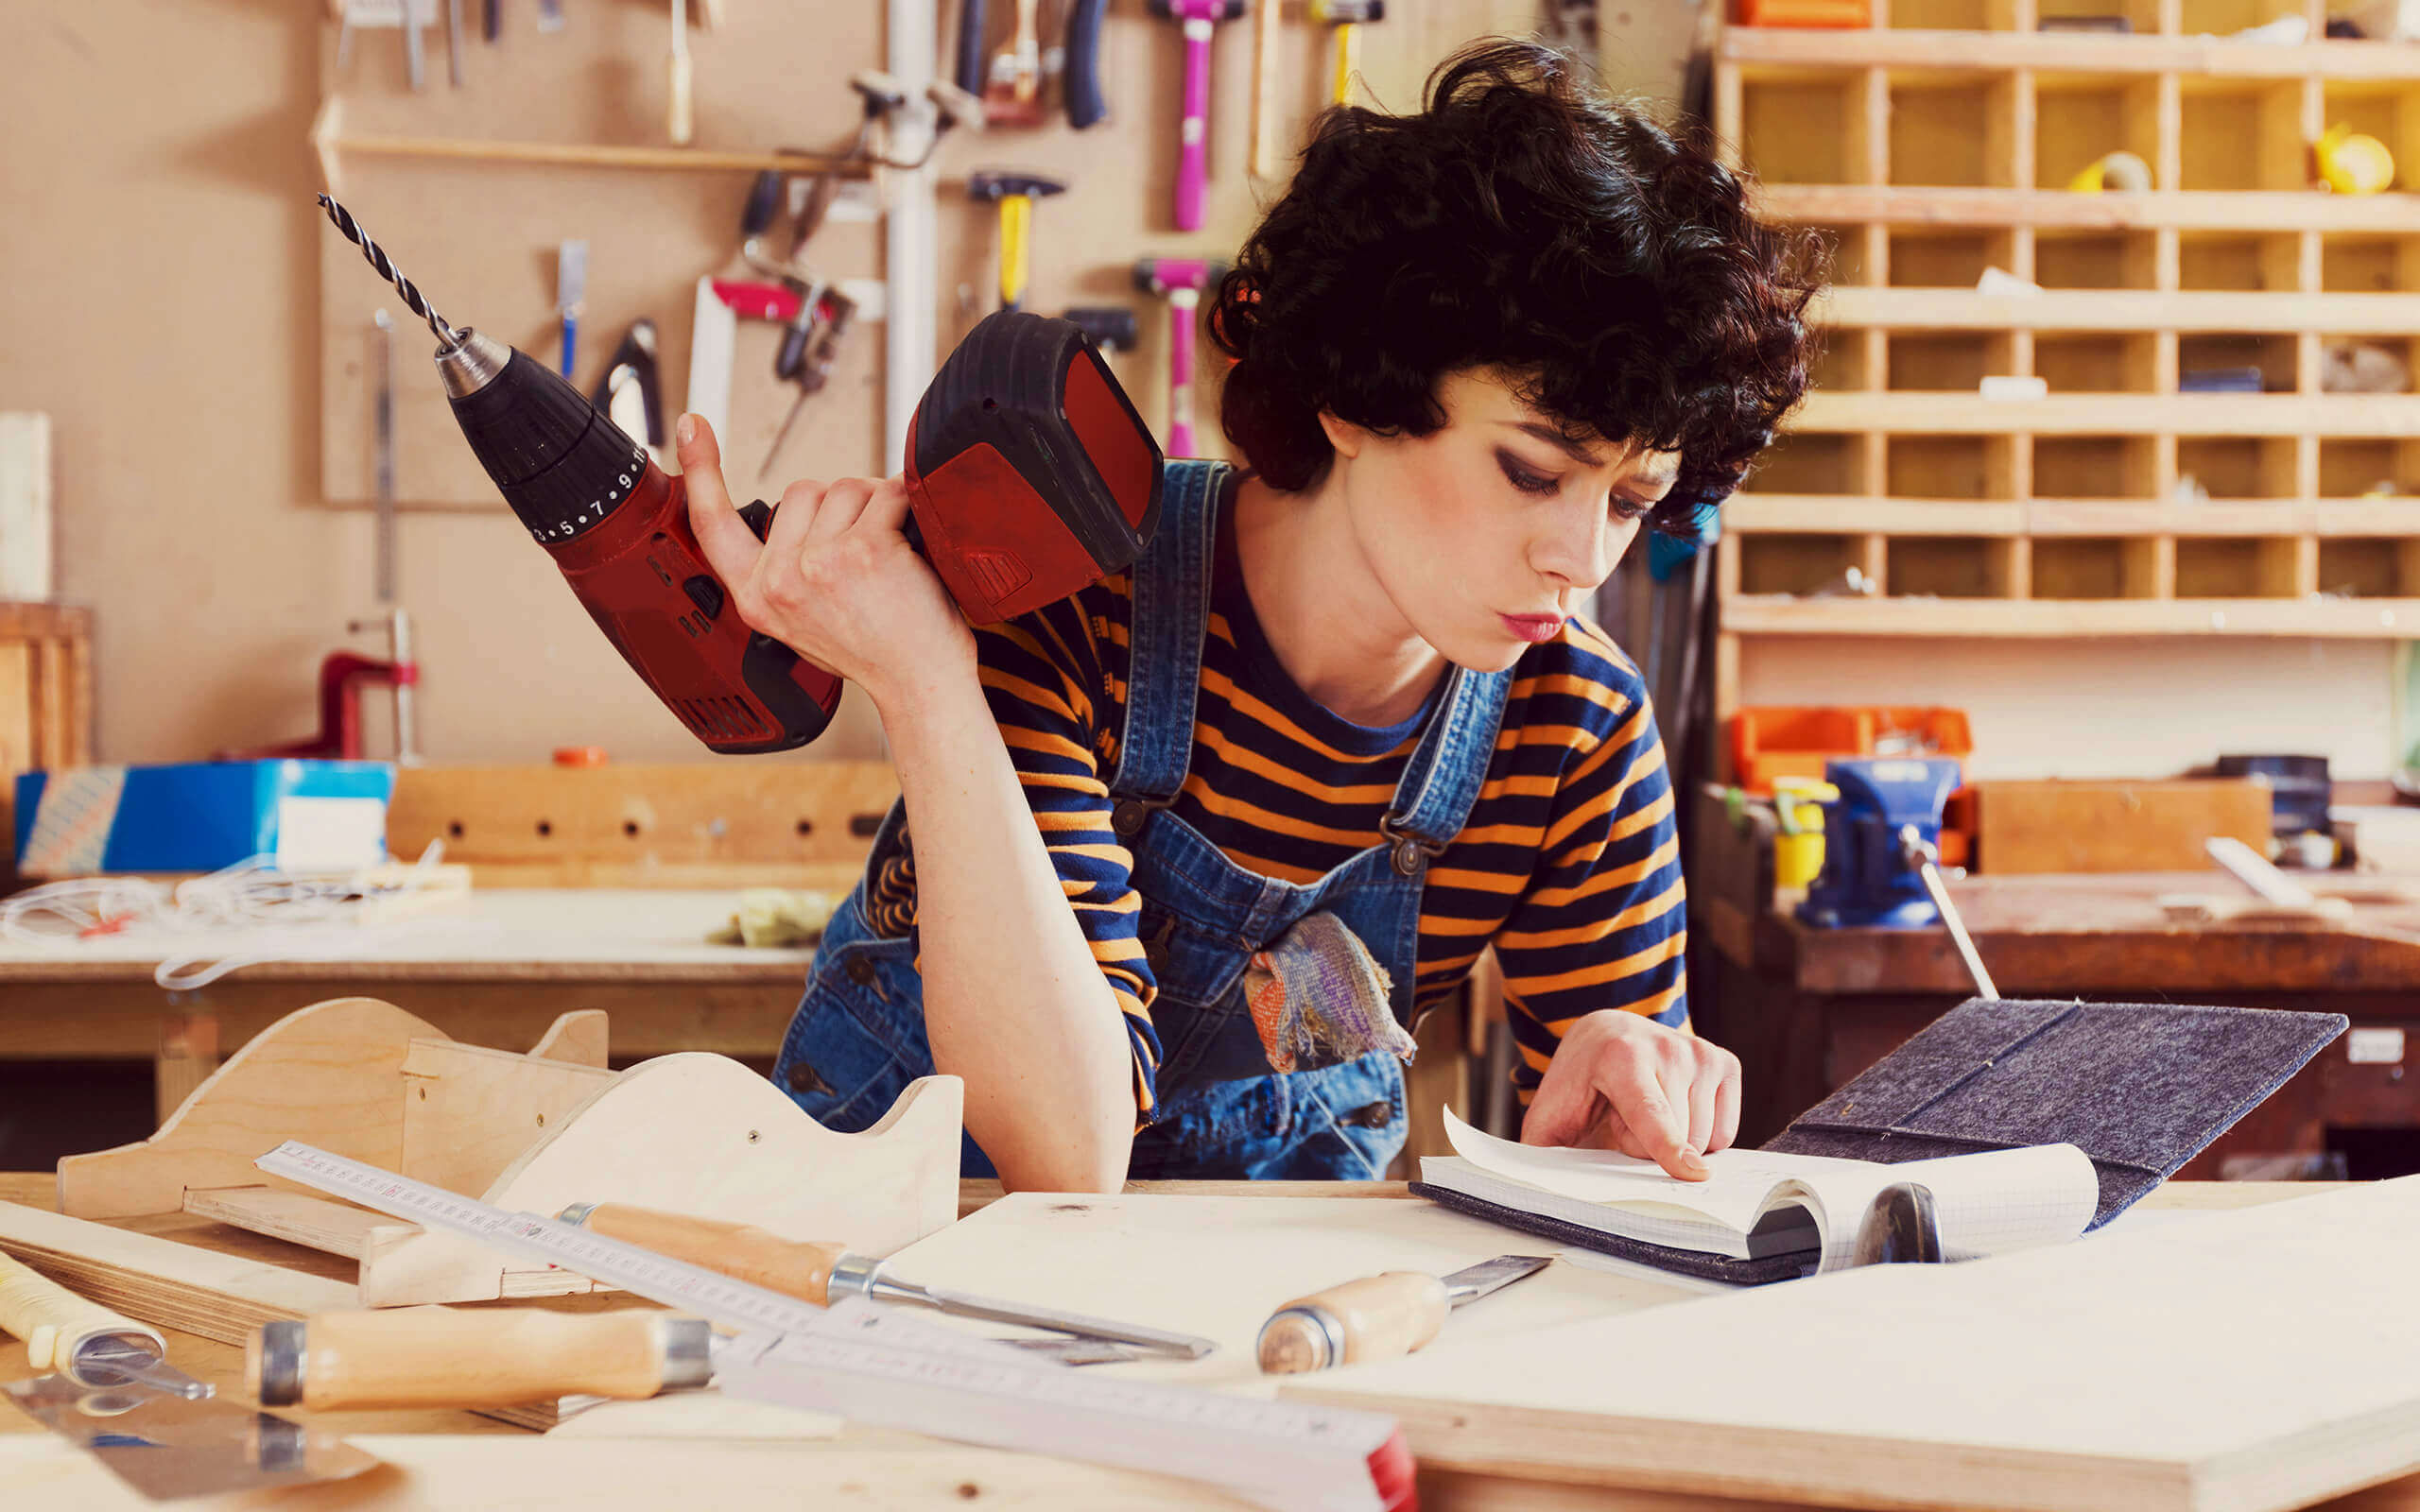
point(1822, 1005)
point(495, 970)
point(836, 1465)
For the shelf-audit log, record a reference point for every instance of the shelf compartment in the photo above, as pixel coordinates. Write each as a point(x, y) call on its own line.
point(2369, 264)
point(2402, 349)
point(2079, 121)
point(1950, 361)
point(2272, 353)
point(1802, 462)
point(1951, 133)
point(2082, 568)
point(2240, 567)
point(1797, 564)
point(1948, 466)
point(1950, 567)
point(1804, 127)
point(2239, 467)
point(2367, 619)
point(2223, 261)
point(1948, 259)
point(2375, 567)
point(2093, 467)
point(2389, 111)
point(2095, 364)
point(2222, 18)
point(1952, 15)
point(2350, 469)
point(2240, 136)
point(1845, 254)
point(2094, 260)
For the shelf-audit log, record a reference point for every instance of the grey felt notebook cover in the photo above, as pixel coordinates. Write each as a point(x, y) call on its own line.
point(2140, 1087)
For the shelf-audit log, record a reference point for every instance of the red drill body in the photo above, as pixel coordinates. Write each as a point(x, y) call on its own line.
point(1030, 473)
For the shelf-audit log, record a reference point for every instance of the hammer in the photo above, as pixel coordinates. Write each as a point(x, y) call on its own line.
point(1180, 281)
point(1015, 193)
point(1111, 326)
point(1348, 17)
point(1193, 155)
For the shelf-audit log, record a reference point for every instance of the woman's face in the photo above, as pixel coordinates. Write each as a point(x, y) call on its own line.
point(1488, 532)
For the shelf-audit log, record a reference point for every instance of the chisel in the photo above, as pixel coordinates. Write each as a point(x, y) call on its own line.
point(1378, 1317)
point(827, 1273)
point(82, 1340)
point(444, 1357)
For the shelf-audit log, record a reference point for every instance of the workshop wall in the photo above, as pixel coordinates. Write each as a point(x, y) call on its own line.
point(163, 301)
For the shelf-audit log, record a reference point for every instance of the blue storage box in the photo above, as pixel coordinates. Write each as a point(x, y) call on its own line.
point(308, 816)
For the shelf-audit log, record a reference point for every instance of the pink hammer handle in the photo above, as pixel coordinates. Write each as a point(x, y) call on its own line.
point(1181, 305)
point(1193, 160)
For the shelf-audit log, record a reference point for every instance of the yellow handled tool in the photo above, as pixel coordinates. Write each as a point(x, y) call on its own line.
point(82, 1340)
point(448, 1357)
point(1378, 1317)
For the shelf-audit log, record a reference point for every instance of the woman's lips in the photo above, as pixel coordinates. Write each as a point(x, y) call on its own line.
point(1535, 629)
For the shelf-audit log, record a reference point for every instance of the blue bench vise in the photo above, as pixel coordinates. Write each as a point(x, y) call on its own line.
point(1870, 877)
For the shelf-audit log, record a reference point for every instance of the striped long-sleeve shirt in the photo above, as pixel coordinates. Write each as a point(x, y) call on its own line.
point(1569, 863)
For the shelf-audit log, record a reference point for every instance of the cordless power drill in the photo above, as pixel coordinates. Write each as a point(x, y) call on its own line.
point(1028, 470)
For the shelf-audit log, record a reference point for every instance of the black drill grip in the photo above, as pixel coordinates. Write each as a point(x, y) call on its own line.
point(764, 202)
point(1085, 104)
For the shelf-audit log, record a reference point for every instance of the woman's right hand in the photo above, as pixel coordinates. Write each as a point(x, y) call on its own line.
point(835, 579)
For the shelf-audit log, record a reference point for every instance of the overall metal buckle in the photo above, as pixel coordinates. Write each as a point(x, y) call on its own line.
point(1411, 851)
point(1127, 815)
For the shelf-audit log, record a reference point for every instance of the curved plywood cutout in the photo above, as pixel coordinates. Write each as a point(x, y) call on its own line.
point(578, 1037)
point(702, 1134)
point(330, 1074)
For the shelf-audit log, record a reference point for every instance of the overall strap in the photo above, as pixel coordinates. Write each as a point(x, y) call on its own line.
point(1170, 617)
point(1443, 778)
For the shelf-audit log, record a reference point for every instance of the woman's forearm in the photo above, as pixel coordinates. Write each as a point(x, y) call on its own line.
point(1015, 1002)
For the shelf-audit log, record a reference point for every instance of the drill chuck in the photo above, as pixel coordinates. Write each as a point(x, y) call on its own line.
point(560, 464)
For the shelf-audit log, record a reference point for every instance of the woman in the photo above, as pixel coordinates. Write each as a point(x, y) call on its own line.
point(1191, 849)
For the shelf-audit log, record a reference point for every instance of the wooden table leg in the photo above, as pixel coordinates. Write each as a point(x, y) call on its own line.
point(188, 1053)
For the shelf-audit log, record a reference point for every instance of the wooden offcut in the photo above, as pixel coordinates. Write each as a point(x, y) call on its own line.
point(701, 824)
point(2107, 827)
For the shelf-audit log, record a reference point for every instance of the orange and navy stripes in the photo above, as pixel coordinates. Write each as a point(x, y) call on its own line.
point(1569, 863)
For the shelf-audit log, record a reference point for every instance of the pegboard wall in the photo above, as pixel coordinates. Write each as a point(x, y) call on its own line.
point(480, 237)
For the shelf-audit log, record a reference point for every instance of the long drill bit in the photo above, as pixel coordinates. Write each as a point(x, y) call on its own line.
point(446, 335)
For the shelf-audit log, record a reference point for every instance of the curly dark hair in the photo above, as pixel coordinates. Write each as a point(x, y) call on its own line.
point(1520, 221)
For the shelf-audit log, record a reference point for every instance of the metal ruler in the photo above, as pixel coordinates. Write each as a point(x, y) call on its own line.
point(658, 1278)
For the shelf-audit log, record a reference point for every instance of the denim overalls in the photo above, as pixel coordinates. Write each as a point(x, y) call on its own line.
point(858, 1037)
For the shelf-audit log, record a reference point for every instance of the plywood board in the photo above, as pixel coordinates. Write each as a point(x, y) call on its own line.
point(469, 1112)
point(2062, 827)
point(439, 1472)
point(2249, 1360)
point(1219, 1266)
point(25, 528)
point(330, 1074)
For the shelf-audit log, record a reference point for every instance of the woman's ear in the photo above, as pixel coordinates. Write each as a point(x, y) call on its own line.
point(1347, 437)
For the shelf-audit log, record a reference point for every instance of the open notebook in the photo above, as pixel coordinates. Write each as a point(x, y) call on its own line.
point(1762, 1205)
point(1994, 1106)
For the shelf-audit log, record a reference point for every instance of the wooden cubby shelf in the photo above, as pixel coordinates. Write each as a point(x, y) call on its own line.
point(2048, 412)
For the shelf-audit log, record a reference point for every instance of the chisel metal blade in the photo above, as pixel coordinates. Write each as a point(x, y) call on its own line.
point(1471, 1282)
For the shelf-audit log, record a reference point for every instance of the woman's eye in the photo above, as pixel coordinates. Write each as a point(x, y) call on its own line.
point(1525, 480)
point(1628, 509)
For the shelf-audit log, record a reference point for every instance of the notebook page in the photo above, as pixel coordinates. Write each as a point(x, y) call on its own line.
point(1742, 1183)
point(1986, 1203)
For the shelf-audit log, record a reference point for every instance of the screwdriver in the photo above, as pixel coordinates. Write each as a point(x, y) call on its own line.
point(827, 1273)
point(1378, 1317)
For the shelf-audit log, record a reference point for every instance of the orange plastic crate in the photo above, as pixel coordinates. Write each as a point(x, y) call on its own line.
point(1803, 13)
point(1783, 741)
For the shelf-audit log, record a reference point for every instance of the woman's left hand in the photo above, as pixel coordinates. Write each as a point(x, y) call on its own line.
point(1621, 1080)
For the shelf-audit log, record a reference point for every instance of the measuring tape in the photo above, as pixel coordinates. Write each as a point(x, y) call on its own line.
point(870, 1364)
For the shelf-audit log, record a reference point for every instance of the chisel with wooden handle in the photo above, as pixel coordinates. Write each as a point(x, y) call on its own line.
point(82, 1340)
point(827, 1273)
point(1378, 1317)
point(497, 1357)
